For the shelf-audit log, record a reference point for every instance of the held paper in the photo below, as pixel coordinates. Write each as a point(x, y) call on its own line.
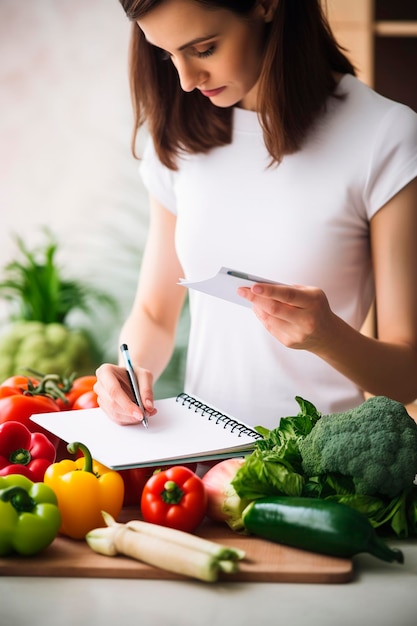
point(225, 283)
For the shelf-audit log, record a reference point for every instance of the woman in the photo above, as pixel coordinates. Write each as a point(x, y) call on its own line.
point(268, 156)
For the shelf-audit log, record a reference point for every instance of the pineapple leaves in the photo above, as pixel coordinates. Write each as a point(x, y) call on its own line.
point(36, 287)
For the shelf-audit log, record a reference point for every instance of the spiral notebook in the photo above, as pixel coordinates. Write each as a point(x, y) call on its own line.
point(185, 429)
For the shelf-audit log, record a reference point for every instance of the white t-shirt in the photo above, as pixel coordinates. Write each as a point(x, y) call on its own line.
point(305, 222)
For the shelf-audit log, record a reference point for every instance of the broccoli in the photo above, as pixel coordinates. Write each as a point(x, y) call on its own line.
point(374, 443)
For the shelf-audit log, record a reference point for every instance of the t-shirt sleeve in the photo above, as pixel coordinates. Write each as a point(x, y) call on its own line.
point(394, 157)
point(157, 178)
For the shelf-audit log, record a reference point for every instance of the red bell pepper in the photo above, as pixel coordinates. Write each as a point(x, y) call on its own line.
point(176, 498)
point(136, 478)
point(23, 452)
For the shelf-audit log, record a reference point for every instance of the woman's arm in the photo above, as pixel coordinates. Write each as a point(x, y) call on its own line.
point(150, 327)
point(394, 254)
point(300, 317)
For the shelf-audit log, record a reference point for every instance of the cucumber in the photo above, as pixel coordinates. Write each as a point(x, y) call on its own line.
point(316, 525)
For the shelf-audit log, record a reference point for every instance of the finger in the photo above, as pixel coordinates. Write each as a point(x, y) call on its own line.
point(268, 306)
point(292, 296)
point(145, 379)
point(118, 416)
point(262, 292)
point(114, 395)
point(287, 294)
point(132, 415)
point(120, 409)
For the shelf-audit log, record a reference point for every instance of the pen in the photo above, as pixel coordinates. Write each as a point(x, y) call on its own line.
point(133, 382)
point(239, 275)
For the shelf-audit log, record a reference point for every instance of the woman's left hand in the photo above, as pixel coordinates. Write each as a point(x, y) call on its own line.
point(299, 317)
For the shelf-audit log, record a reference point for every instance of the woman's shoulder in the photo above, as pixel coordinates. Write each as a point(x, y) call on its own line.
point(381, 136)
point(366, 101)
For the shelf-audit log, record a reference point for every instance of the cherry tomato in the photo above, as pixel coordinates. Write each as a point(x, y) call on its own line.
point(79, 387)
point(85, 382)
point(176, 498)
point(87, 400)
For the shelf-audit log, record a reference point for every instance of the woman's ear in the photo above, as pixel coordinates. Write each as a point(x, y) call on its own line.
point(267, 8)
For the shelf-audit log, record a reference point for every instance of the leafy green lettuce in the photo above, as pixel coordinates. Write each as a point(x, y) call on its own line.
point(275, 468)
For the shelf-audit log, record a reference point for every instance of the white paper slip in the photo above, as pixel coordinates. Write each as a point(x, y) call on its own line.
point(225, 283)
point(185, 429)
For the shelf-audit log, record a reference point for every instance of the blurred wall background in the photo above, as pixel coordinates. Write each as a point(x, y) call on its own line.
point(65, 160)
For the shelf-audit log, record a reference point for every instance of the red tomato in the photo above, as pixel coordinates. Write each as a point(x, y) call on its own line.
point(79, 387)
point(19, 408)
point(135, 479)
point(9, 391)
point(176, 498)
point(19, 382)
point(84, 383)
point(87, 400)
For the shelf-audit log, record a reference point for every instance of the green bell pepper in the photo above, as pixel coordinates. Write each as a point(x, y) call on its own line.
point(29, 516)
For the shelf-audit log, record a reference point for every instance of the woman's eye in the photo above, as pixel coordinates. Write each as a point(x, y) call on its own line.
point(206, 53)
point(166, 56)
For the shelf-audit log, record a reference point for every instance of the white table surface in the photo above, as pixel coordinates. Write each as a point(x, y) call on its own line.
point(381, 594)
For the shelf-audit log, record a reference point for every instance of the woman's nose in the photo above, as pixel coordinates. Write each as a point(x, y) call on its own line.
point(190, 75)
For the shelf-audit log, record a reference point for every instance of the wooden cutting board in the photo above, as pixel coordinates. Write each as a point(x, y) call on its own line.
point(264, 562)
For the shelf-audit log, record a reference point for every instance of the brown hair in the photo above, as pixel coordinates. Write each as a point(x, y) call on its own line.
point(297, 77)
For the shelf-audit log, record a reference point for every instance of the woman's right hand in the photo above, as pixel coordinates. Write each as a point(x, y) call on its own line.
point(114, 394)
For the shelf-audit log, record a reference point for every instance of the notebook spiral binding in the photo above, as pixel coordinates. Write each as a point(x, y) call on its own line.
point(220, 418)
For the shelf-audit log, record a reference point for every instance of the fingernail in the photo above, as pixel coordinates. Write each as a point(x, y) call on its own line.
point(258, 289)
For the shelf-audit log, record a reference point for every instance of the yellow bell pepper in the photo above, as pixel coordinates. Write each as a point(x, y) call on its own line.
point(84, 488)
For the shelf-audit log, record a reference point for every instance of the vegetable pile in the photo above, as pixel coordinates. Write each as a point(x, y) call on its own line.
point(22, 396)
point(365, 458)
point(323, 483)
point(50, 489)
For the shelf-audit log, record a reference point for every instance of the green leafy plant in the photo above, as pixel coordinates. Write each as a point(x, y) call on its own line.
point(40, 335)
point(38, 290)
